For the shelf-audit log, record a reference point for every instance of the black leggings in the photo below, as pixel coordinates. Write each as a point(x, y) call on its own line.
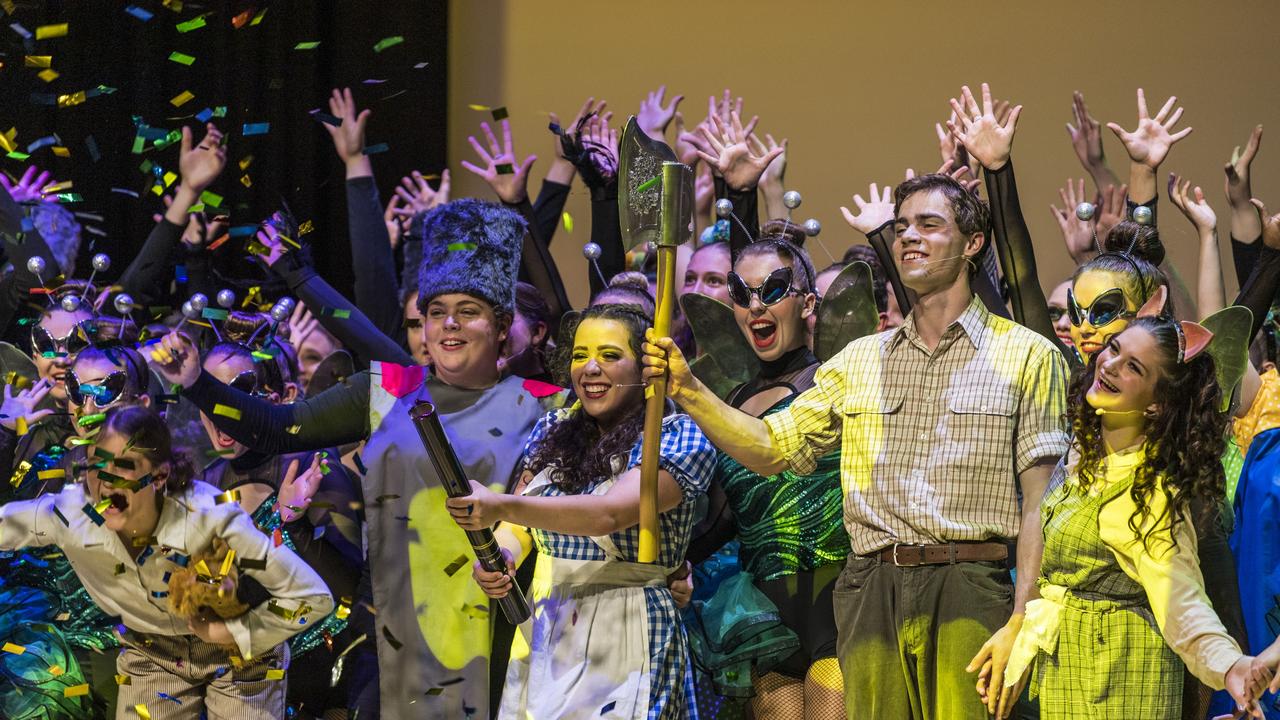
point(805, 606)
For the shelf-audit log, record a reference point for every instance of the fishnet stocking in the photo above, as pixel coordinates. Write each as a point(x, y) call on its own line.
point(820, 696)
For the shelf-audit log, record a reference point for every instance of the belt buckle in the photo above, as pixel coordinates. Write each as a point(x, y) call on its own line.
point(897, 563)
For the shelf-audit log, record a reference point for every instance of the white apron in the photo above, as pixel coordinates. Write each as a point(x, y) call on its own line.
point(585, 652)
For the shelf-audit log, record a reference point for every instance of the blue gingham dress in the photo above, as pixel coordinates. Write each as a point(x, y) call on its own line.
point(690, 458)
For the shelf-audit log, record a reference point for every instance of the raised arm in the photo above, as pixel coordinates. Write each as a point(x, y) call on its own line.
point(22, 242)
point(337, 416)
point(1148, 145)
point(1086, 141)
point(727, 149)
point(875, 220)
point(1245, 229)
point(1210, 295)
point(198, 167)
point(372, 257)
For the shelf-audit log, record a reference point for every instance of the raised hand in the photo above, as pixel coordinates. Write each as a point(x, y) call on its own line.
point(297, 490)
point(952, 152)
point(777, 170)
point(704, 194)
point(1150, 142)
point(1086, 136)
point(1270, 225)
point(1192, 204)
point(872, 214)
point(269, 236)
point(727, 150)
point(1112, 208)
point(1076, 233)
point(395, 222)
point(29, 187)
point(724, 108)
point(23, 405)
point(1244, 222)
point(348, 138)
point(176, 358)
point(987, 139)
point(508, 177)
point(654, 117)
point(201, 165)
point(686, 149)
point(418, 195)
point(601, 144)
point(301, 324)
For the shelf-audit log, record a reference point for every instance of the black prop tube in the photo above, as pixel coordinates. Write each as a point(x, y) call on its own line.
point(454, 478)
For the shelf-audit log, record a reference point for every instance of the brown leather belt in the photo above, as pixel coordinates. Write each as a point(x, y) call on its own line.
point(945, 554)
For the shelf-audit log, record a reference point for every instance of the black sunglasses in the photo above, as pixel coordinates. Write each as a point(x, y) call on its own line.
point(105, 392)
point(45, 345)
point(247, 383)
point(1105, 309)
point(771, 292)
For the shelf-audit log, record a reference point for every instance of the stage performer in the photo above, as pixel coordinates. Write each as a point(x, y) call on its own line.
point(942, 424)
point(606, 640)
point(1123, 601)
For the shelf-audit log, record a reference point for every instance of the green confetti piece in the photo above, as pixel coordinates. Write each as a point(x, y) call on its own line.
point(214, 314)
point(387, 42)
point(181, 58)
point(211, 198)
point(89, 420)
point(647, 184)
point(460, 246)
point(307, 45)
point(505, 169)
point(194, 23)
point(16, 155)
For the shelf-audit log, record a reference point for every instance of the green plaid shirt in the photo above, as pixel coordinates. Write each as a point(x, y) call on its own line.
point(932, 442)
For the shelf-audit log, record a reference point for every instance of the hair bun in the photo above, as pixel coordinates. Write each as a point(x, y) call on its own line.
point(1137, 240)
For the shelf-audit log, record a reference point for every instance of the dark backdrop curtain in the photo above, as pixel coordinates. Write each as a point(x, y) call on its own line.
point(256, 72)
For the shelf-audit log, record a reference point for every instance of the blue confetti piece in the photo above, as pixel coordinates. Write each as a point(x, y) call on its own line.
point(17, 27)
point(163, 696)
point(242, 230)
point(139, 13)
point(256, 129)
point(375, 149)
point(92, 145)
point(180, 273)
point(45, 141)
point(204, 115)
point(179, 559)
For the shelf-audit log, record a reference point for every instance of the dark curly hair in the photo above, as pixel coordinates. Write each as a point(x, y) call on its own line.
point(1185, 438)
point(575, 447)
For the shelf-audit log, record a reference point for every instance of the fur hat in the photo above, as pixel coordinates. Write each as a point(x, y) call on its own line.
point(472, 247)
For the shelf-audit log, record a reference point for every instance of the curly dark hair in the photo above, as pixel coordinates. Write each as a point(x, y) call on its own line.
point(575, 447)
point(1185, 438)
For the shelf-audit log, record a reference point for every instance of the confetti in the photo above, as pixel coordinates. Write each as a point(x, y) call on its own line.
point(181, 58)
point(336, 313)
point(45, 32)
point(391, 639)
point(38, 61)
point(214, 314)
point(375, 149)
point(226, 497)
point(182, 98)
point(452, 568)
point(480, 108)
point(21, 424)
point(13, 649)
point(256, 129)
point(568, 222)
point(460, 246)
point(648, 184)
point(204, 115)
point(305, 228)
point(275, 674)
point(24, 33)
point(123, 680)
point(142, 15)
point(387, 42)
point(250, 564)
point(164, 696)
point(143, 712)
point(52, 474)
point(76, 690)
point(610, 706)
point(194, 23)
point(500, 113)
point(48, 75)
point(227, 411)
point(505, 169)
point(326, 118)
point(307, 45)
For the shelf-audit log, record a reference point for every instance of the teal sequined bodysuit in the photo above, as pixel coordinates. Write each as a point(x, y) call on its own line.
point(787, 523)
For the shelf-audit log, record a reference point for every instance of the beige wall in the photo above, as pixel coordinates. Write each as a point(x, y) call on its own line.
point(857, 87)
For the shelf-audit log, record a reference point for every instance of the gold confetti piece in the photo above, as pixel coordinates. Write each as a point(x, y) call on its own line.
point(21, 424)
point(58, 187)
point(48, 74)
point(226, 411)
point(306, 227)
point(568, 222)
point(480, 108)
point(203, 569)
point(119, 568)
point(344, 608)
point(182, 98)
point(246, 181)
point(13, 649)
point(143, 712)
point(76, 690)
point(23, 468)
point(452, 568)
point(9, 7)
point(226, 497)
point(38, 61)
point(56, 670)
point(52, 474)
point(60, 151)
point(123, 680)
point(101, 505)
point(226, 563)
point(648, 392)
point(45, 32)
point(73, 99)
point(275, 674)
point(144, 541)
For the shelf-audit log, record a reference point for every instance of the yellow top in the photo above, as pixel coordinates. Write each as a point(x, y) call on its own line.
point(1264, 413)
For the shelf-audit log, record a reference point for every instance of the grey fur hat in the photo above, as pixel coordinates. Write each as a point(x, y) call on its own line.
point(473, 247)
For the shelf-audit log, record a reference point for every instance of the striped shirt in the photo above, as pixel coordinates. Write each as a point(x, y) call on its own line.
point(932, 442)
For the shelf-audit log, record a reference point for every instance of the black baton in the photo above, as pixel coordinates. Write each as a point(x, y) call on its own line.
point(454, 478)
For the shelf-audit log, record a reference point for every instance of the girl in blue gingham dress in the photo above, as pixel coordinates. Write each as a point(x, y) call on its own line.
point(605, 639)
